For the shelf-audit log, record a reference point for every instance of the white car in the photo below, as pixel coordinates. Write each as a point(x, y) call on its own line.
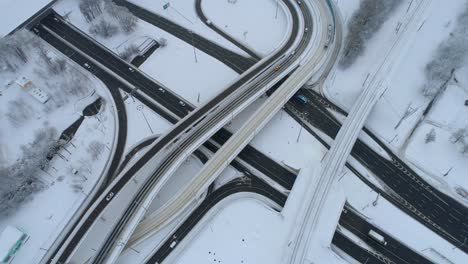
point(131, 69)
point(87, 65)
point(181, 103)
point(109, 196)
point(161, 90)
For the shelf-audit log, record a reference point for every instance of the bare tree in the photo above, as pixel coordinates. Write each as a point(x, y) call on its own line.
point(129, 52)
point(90, 9)
point(430, 136)
point(162, 42)
point(458, 135)
point(124, 17)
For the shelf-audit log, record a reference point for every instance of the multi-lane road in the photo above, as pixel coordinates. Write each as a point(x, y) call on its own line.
point(410, 192)
point(392, 250)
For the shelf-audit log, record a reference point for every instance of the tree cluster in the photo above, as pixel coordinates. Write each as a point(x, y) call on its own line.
point(364, 23)
point(20, 180)
point(107, 18)
point(16, 50)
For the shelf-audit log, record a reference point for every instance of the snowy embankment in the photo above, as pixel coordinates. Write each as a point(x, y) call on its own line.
point(262, 31)
point(76, 167)
point(15, 12)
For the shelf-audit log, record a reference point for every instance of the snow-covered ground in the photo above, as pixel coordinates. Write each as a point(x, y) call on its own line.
point(72, 173)
point(201, 79)
point(257, 235)
point(142, 122)
point(260, 31)
point(14, 12)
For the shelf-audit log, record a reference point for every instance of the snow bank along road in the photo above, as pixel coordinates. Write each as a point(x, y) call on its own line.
point(393, 252)
point(261, 162)
point(184, 125)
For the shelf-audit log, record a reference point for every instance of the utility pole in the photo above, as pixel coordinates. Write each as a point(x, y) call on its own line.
point(193, 45)
point(300, 130)
point(140, 108)
point(198, 98)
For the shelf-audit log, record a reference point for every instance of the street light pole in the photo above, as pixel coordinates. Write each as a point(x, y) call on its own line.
point(277, 6)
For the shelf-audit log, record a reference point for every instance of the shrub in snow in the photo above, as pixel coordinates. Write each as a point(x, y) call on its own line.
point(430, 137)
point(95, 148)
point(449, 56)
point(162, 42)
point(19, 111)
point(364, 23)
point(103, 29)
point(20, 180)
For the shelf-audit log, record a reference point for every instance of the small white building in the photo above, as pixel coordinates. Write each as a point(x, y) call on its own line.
point(11, 240)
point(35, 92)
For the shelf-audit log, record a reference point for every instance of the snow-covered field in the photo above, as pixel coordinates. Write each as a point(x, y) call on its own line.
point(260, 31)
point(75, 170)
point(14, 12)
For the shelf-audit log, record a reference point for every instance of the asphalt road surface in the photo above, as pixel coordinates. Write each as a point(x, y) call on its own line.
point(355, 251)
